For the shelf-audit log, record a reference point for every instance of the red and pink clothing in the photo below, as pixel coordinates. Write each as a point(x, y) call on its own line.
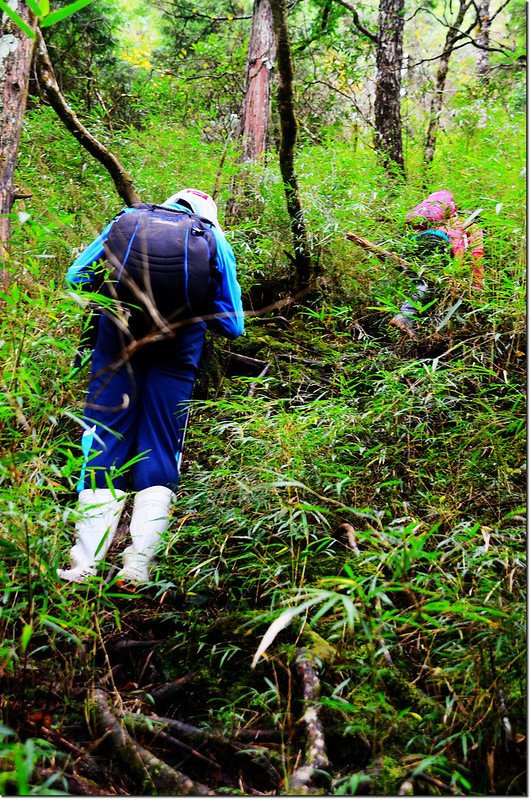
point(439, 212)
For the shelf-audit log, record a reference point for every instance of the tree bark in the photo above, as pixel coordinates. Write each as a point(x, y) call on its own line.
point(483, 41)
point(308, 778)
point(16, 52)
point(261, 56)
point(288, 137)
point(452, 36)
point(122, 180)
point(387, 113)
point(256, 110)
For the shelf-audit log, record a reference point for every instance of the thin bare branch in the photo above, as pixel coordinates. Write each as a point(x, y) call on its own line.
point(356, 19)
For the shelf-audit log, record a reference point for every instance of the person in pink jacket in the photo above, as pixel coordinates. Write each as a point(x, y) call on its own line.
point(440, 231)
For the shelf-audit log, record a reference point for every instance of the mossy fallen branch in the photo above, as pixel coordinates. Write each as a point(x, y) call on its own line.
point(154, 775)
point(257, 756)
point(309, 778)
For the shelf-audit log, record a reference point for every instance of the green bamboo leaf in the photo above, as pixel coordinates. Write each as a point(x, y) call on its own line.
point(35, 7)
point(26, 636)
point(325, 608)
point(17, 19)
point(45, 6)
point(450, 313)
point(62, 13)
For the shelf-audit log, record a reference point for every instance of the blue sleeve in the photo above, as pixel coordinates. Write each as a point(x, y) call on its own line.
point(228, 300)
point(80, 271)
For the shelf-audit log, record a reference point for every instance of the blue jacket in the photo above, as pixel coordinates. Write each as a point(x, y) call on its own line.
point(229, 319)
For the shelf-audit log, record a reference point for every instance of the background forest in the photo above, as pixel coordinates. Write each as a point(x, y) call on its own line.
point(340, 606)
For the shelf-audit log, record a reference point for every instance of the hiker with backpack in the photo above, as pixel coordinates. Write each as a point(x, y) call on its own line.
point(169, 274)
point(440, 235)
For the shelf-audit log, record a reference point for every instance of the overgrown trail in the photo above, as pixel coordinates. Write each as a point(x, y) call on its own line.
point(339, 603)
point(339, 476)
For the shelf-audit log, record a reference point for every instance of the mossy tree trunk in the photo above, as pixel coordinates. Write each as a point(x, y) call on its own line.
point(387, 112)
point(16, 53)
point(288, 137)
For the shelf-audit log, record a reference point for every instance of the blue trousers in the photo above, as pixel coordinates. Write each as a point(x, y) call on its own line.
point(136, 413)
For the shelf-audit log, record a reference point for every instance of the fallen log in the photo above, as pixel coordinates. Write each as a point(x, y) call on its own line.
point(152, 773)
point(252, 735)
point(77, 784)
point(170, 742)
point(257, 756)
point(378, 251)
point(189, 732)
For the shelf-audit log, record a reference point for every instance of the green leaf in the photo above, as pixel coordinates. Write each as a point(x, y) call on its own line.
point(35, 7)
point(450, 313)
point(26, 636)
point(62, 13)
point(17, 19)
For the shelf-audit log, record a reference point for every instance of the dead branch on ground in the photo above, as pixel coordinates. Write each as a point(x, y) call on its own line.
point(203, 736)
point(308, 778)
point(147, 768)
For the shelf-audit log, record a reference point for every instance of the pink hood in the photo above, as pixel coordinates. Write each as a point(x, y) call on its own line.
point(438, 207)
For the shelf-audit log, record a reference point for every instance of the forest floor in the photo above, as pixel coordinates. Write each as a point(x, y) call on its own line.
point(398, 670)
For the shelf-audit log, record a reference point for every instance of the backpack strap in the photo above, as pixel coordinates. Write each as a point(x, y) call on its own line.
point(129, 246)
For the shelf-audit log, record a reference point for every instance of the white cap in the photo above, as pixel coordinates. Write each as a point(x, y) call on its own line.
point(200, 202)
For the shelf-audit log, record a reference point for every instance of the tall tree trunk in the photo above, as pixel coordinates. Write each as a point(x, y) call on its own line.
point(483, 40)
point(260, 61)
point(454, 33)
point(122, 180)
point(254, 122)
point(387, 115)
point(16, 52)
point(288, 137)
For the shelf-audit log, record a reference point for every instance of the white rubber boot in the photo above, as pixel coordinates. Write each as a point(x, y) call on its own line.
point(150, 519)
point(99, 511)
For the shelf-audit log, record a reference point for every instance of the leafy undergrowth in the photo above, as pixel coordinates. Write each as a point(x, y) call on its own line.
point(340, 604)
